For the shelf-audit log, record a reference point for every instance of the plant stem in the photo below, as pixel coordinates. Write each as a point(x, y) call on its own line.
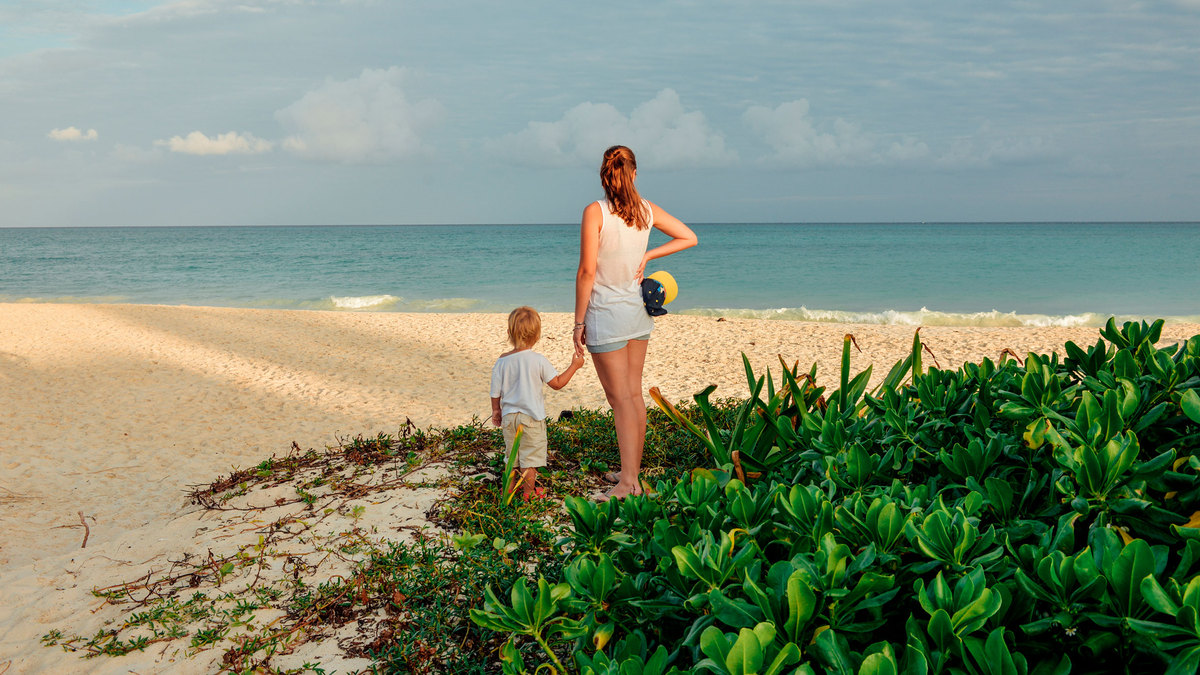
point(537, 635)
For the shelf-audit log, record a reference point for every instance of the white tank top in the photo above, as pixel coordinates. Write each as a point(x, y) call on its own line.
point(615, 311)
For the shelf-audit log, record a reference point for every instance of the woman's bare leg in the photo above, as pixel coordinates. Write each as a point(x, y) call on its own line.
point(637, 361)
point(620, 374)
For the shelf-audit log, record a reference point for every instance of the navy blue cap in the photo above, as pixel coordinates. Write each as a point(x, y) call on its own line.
point(653, 295)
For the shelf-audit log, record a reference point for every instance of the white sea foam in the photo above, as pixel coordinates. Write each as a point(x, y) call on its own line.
point(928, 317)
point(372, 302)
point(392, 303)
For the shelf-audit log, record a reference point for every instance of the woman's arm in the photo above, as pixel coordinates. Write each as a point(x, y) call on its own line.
point(589, 248)
point(681, 236)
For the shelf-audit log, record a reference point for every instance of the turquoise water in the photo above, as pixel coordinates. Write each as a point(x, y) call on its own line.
point(907, 273)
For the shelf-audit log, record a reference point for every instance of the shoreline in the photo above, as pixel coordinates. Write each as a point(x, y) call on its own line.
point(111, 411)
point(905, 318)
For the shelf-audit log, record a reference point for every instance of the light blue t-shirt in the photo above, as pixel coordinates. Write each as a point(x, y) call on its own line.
point(517, 380)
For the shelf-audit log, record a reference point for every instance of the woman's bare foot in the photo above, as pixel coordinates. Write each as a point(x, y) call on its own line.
point(620, 491)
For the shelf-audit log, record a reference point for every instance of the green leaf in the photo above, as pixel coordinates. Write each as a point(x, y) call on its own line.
point(604, 577)
point(509, 464)
point(972, 617)
point(1157, 598)
point(716, 445)
point(714, 645)
point(1125, 575)
point(492, 621)
point(746, 655)
point(1048, 667)
point(801, 604)
point(713, 445)
point(915, 356)
point(733, 612)
point(878, 664)
point(765, 631)
point(1186, 662)
point(510, 656)
point(688, 562)
point(522, 602)
point(602, 634)
point(941, 630)
point(1000, 659)
point(1190, 402)
point(1191, 594)
point(787, 656)
point(466, 541)
point(834, 653)
point(1152, 468)
point(841, 392)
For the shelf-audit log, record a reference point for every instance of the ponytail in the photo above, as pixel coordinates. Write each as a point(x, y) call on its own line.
point(616, 175)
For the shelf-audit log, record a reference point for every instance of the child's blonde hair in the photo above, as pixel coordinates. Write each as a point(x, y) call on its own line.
point(524, 327)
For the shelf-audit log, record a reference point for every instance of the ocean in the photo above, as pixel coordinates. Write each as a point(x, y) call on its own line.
point(990, 274)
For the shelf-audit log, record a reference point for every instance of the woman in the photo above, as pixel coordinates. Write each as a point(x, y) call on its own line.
point(610, 318)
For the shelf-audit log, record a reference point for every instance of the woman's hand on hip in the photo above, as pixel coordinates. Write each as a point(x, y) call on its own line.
point(641, 269)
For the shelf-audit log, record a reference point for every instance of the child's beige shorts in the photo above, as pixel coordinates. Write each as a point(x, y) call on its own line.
point(532, 452)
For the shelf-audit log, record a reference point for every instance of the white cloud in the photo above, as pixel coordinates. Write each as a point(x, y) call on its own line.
point(907, 149)
point(73, 134)
point(798, 141)
point(660, 131)
point(231, 143)
point(795, 139)
point(182, 10)
point(365, 119)
point(988, 148)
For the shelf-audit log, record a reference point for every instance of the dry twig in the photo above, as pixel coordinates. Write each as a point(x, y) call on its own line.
point(931, 355)
point(87, 531)
point(1006, 352)
point(853, 342)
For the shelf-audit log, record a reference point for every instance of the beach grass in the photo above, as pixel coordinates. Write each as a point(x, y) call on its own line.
point(311, 556)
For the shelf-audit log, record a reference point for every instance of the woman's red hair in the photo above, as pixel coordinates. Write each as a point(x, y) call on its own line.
point(616, 175)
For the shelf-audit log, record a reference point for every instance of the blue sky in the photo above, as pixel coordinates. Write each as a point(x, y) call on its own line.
point(272, 112)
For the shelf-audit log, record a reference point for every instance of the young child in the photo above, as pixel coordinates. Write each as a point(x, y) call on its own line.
point(517, 380)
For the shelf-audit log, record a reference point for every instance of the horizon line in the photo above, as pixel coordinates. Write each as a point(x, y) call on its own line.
point(571, 224)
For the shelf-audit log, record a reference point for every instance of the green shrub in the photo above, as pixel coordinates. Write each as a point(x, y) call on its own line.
point(1013, 517)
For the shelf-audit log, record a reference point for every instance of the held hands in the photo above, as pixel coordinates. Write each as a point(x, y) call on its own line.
point(577, 360)
point(578, 338)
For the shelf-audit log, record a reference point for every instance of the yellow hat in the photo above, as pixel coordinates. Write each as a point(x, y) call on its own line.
point(670, 288)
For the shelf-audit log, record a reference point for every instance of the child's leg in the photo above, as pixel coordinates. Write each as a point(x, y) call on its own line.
point(528, 478)
point(531, 453)
point(509, 426)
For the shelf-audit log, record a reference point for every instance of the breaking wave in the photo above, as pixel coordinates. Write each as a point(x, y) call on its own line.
point(928, 317)
point(371, 302)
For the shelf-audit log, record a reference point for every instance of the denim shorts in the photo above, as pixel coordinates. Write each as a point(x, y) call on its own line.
point(614, 346)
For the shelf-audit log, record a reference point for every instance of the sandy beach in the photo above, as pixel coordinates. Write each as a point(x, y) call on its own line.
point(109, 412)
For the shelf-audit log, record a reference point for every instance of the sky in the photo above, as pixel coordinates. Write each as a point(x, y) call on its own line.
point(311, 112)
